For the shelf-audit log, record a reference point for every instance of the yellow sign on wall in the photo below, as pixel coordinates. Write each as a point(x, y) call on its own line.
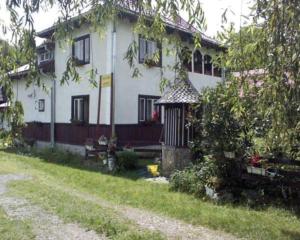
point(106, 80)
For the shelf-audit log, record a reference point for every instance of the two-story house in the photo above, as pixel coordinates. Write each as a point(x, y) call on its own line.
point(68, 114)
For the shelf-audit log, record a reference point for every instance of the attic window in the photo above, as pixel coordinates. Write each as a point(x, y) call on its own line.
point(81, 50)
point(207, 65)
point(217, 72)
point(45, 56)
point(149, 52)
point(186, 57)
point(197, 61)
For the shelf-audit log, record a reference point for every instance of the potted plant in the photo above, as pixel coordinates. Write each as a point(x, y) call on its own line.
point(255, 166)
point(128, 148)
point(229, 151)
point(150, 62)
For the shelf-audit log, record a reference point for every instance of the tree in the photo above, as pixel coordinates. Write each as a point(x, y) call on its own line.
point(265, 94)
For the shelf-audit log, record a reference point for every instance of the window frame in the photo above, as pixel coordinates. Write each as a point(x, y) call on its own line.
point(158, 46)
point(187, 58)
point(42, 56)
point(83, 61)
point(86, 112)
point(204, 65)
point(202, 61)
point(147, 98)
point(41, 105)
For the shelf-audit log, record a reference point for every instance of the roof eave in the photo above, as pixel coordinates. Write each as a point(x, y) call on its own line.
point(48, 32)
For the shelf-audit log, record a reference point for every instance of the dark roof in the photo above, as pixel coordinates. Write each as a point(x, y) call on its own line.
point(128, 9)
point(182, 91)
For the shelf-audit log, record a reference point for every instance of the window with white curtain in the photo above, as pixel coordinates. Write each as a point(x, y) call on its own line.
point(148, 50)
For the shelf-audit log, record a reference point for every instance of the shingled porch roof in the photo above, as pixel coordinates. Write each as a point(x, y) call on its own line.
point(182, 91)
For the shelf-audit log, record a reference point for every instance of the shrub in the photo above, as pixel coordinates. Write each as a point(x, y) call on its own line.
point(194, 178)
point(127, 160)
point(187, 181)
point(53, 155)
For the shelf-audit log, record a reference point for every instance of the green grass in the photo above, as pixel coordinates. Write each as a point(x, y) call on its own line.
point(14, 230)
point(269, 223)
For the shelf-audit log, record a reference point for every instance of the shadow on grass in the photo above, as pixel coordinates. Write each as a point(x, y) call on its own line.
point(291, 234)
point(68, 159)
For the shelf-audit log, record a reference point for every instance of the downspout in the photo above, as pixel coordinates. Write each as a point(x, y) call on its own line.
point(53, 102)
point(113, 64)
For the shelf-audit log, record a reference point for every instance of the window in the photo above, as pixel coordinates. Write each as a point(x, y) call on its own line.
point(186, 58)
point(41, 105)
point(149, 52)
point(45, 56)
point(148, 111)
point(217, 72)
point(81, 50)
point(197, 61)
point(207, 65)
point(80, 109)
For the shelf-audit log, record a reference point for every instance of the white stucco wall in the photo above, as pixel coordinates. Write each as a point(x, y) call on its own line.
point(128, 88)
point(29, 98)
point(100, 61)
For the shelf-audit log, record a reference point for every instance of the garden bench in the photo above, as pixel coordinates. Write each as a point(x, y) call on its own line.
point(93, 148)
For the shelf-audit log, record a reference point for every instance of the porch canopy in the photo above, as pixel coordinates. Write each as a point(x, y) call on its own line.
point(176, 102)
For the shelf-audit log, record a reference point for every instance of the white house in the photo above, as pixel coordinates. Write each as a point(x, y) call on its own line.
point(122, 105)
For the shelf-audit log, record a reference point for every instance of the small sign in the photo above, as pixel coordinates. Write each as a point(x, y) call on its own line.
point(106, 80)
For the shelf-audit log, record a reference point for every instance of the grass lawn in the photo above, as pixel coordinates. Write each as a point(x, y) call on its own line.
point(50, 178)
point(14, 230)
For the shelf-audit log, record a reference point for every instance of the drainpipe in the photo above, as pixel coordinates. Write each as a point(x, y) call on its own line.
point(52, 100)
point(53, 103)
point(113, 64)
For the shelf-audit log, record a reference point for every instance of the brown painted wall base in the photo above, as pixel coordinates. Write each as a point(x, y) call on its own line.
point(134, 134)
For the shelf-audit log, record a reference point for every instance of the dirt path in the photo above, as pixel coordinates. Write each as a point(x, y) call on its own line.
point(169, 227)
point(46, 226)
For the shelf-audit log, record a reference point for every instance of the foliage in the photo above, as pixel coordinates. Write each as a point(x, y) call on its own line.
point(151, 21)
point(208, 171)
point(127, 160)
point(268, 98)
point(216, 128)
point(194, 178)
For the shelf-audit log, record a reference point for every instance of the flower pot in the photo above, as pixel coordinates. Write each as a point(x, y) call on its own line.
point(230, 155)
point(128, 149)
point(256, 170)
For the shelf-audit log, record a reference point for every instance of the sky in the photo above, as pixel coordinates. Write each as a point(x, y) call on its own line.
point(213, 10)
